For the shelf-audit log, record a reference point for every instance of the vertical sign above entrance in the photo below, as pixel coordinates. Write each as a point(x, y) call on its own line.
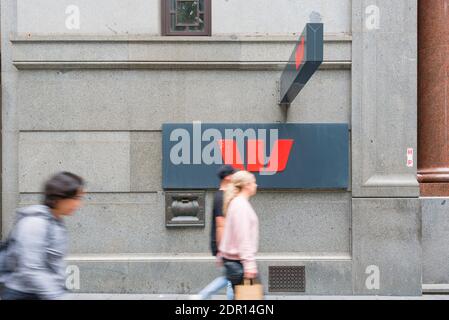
point(304, 61)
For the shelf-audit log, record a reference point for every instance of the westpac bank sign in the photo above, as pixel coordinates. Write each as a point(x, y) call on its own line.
point(282, 156)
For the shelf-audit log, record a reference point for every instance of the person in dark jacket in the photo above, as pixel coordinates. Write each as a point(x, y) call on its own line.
point(37, 243)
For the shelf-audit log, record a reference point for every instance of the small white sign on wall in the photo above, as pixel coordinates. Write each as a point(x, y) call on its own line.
point(410, 153)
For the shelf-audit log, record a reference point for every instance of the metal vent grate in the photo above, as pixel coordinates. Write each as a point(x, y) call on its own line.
point(287, 279)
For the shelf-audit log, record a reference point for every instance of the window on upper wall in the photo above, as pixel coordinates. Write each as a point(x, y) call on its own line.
point(186, 17)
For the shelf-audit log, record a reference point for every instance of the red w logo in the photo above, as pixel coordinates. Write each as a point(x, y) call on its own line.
point(255, 155)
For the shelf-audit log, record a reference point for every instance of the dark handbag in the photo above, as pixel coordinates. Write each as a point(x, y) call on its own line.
point(234, 271)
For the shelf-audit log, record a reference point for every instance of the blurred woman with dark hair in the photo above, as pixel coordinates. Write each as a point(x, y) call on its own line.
point(37, 244)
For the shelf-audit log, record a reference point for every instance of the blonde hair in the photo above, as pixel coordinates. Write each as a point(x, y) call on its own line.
point(235, 186)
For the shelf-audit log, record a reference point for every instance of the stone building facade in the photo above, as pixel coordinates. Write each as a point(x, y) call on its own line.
point(87, 86)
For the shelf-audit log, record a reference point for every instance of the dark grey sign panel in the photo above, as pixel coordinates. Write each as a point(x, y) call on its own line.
point(282, 156)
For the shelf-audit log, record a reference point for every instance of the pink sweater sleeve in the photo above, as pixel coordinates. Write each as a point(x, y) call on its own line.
point(240, 238)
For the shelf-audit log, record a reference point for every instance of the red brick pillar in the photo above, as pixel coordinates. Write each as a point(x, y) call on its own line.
point(433, 91)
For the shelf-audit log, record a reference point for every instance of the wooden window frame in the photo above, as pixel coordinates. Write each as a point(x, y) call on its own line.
point(165, 18)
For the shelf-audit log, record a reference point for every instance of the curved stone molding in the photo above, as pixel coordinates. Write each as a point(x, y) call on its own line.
point(18, 38)
point(219, 52)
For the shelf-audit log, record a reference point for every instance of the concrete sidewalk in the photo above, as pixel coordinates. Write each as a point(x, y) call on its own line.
point(186, 297)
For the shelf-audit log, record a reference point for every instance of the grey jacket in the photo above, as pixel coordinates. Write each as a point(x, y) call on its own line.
point(39, 246)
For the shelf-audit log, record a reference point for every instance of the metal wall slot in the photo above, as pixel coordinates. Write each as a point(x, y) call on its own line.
point(184, 209)
point(287, 279)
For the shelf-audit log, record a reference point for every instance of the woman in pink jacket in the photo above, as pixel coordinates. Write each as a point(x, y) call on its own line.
point(240, 240)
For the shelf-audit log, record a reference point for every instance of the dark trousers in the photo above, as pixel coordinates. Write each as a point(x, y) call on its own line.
point(10, 294)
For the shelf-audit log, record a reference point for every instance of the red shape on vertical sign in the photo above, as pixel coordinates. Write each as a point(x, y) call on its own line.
point(300, 53)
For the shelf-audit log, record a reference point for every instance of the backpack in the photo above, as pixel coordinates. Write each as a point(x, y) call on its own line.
point(3, 265)
point(8, 258)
